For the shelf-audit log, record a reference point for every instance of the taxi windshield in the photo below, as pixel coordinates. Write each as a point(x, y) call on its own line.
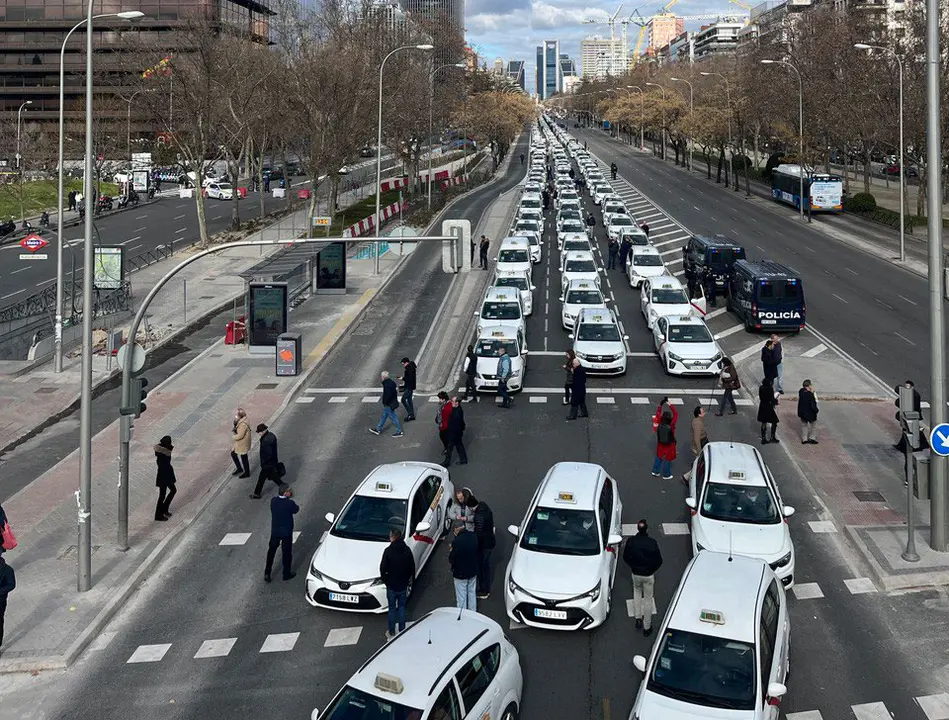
point(669, 296)
point(370, 518)
point(516, 282)
point(500, 311)
point(584, 297)
point(570, 213)
point(621, 220)
point(581, 266)
point(355, 704)
point(572, 224)
point(562, 531)
point(530, 203)
point(615, 208)
point(647, 260)
point(568, 195)
point(704, 670)
point(689, 334)
point(576, 245)
point(526, 225)
point(489, 347)
point(737, 503)
point(598, 333)
point(519, 256)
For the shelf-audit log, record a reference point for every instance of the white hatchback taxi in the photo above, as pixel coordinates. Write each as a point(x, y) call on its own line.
point(580, 294)
point(561, 571)
point(722, 649)
point(664, 296)
point(521, 281)
point(487, 351)
point(344, 571)
point(643, 262)
point(598, 342)
point(450, 665)
point(577, 265)
point(735, 504)
point(686, 346)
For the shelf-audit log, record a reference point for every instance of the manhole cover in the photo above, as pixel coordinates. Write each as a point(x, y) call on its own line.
point(45, 391)
point(267, 386)
point(869, 496)
point(72, 552)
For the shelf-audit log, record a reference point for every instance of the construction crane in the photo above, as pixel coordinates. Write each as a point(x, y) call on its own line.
point(611, 21)
point(646, 24)
point(742, 5)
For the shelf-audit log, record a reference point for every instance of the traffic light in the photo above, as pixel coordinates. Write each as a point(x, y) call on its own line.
point(137, 398)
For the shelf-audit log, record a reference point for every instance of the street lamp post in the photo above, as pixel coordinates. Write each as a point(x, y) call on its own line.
point(19, 114)
point(800, 85)
point(899, 63)
point(642, 115)
point(431, 103)
point(378, 217)
point(691, 113)
point(663, 134)
point(58, 327)
point(128, 126)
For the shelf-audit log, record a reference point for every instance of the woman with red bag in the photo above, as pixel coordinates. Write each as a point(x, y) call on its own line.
point(665, 424)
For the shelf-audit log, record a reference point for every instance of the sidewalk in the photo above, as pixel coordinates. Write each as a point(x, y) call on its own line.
point(887, 194)
point(48, 623)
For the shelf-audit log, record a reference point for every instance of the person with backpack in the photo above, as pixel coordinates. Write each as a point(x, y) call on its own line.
point(665, 441)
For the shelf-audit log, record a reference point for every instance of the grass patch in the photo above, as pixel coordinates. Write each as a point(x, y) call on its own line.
point(358, 211)
point(39, 195)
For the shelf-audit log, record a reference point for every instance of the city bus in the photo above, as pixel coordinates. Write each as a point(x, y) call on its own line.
point(825, 192)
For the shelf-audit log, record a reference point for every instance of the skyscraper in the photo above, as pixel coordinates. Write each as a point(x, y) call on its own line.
point(600, 57)
point(438, 11)
point(515, 73)
point(549, 72)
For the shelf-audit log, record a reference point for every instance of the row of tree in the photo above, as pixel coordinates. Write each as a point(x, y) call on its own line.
point(739, 107)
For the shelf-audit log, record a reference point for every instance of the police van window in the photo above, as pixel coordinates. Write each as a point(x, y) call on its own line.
point(476, 675)
point(446, 706)
point(792, 289)
point(765, 290)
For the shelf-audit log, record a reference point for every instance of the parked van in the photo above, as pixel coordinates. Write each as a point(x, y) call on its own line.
point(515, 255)
point(767, 295)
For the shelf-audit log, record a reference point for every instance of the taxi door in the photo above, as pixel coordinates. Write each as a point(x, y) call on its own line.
point(698, 301)
point(610, 509)
point(426, 508)
point(645, 293)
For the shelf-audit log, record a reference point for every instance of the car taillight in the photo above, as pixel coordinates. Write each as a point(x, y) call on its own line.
point(611, 549)
point(754, 308)
point(774, 701)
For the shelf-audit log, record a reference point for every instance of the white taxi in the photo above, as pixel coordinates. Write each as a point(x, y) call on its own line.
point(722, 650)
point(598, 342)
point(575, 243)
point(449, 665)
point(567, 196)
point(219, 190)
point(736, 506)
point(521, 281)
point(612, 208)
point(686, 346)
point(526, 213)
point(514, 255)
point(531, 201)
point(526, 228)
point(599, 190)
point(643, 262)
point(502, 306)
point(569, 214)
point(561, 571)
point(571, 228)
point(488, 351)
point(617, 224)
point(344, 571)
point(577, 265)
point(664, 296)
point(580, 294)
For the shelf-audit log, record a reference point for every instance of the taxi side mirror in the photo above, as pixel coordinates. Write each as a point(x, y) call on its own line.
point(514, 530)
point(477, 312)
point(533, 287)
point(639, 662)
point(691, 503)
point(788, 511)
point(524, 353)
point(570, 336)
point(423, 527)
point(606, 300)
point(330, 517)
point(315, 715)
point(614, 539)
point(776, 690)
point(625, 337)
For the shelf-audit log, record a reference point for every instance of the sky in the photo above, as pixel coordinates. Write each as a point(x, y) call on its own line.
point(512, 29)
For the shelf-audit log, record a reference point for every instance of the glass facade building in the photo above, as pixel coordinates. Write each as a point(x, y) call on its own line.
point(549, 73)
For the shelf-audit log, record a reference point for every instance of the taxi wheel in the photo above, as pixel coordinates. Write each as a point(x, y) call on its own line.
point(510, 712)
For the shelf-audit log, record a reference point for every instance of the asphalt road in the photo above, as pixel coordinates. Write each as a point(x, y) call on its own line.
point(873, 310)
point(844, 651)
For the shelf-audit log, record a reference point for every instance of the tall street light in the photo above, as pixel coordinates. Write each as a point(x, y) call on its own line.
point(58, 327)
point(19, 115)
point(691, 113)
point(642, 115)
point(800, 86)
point(128, 126)
point(431, 103)
point(377, 246)
point(663, 138)
point(899, 63)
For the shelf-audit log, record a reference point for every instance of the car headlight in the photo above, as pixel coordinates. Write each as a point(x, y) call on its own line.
point(593, 594)
point(673, 356)
point(582, 356)
point(314, 572)
point(515, 373)
point(377, 582)
point(782, 561)
point(619, 356)
point(699, 547)
point(513, 587)
point(653, 313)
point(716, 357)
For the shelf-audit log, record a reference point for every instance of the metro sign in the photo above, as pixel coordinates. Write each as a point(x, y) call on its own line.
point(33, 242)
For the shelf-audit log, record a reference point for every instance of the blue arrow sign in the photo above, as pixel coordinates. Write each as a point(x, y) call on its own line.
point(939, 439)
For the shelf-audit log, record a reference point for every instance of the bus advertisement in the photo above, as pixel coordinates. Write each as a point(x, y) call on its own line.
point(824, 192)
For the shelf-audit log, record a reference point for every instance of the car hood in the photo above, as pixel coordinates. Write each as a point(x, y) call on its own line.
point(768, 542)
point(349, 560)
point(592, 347)
point(648, 270)
point(694, 351)
point(554, 576)
point(659, 707)
point(572, 309)
point(591, 276)
point(672, 309)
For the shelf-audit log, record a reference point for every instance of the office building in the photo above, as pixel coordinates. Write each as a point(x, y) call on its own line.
point(444, 14)
point(771, 23)
point(515, 73)
point(499, 67)
point(568, 67)
point(663, 29)
point(549, 73)
point(571, 83)
point(719, 38)
point(600, 57)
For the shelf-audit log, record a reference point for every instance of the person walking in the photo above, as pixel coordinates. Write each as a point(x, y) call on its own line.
point(711, 290)
point(269, 461)
point(7, 586)
point(459, 513)
point(441, 419)
point(769, 363)
point(504, 374)
point(456, 432)
point(644, 559)
point(591, 223)
point(917, 407)
point(767, 415)
point(522, 158)
point(165, 479)
point(72, 200)
point(567, 367)
point(463, 559)
point(699, 437)
point(471, 369)
point(665, 442)
point(409, 383)
point(645, 228)
point(390, 403)
point(282, 510)
point(807, 410)
point(241, 436)
point(545, 197)
point(613, 250)
point(624, 249)
point(483, 519)
point(730, 383)
point(779, 362)
point(397, 571)
point(483, 252)
point(578, 391)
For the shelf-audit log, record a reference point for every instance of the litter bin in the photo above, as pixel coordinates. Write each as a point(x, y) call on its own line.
point(235, 331)
point(303, 194)
point(241, 192)
point(289, 354)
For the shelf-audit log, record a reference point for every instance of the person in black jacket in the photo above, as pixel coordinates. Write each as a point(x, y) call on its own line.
point(390, 403)
point(578, 392)
point(769, 361)
point(408, 387)
point(455, 435)
point(779, 360)
point(642, 556)
point(165, 480)
point(7, 585)
point(471, 369)
point(397, 571)
point(807, 411)
point(484, 530)
point(766, 412)
point(269, 461)
point(282, 510)
point(463, 558)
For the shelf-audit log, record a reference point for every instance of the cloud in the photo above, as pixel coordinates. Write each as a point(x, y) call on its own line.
point(545, 16)
point(482, 27)
point(495, 7)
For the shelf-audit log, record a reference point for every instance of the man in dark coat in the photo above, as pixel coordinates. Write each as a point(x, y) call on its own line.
point(463, 558)
point(578, 392)
point(484, 530)
point(642, 556)
point(455, 435)
point(409, 384)
point(483, 252)
point(769, 361)
point(7, 585)
point(624, 249)
point(807, 411)
point(282, 510)
point(471, 369)
point(613, 249)
point(390, 403)
point(397, 571)
point(767, 415)
point(269, 461)
point(165, 479)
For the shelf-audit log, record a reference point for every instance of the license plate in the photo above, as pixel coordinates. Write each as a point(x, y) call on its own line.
point(598, 366)
point(550, 614)
point(768, 321)
point(344, 598)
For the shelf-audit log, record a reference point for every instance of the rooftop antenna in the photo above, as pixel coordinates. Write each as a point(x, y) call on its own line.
point(729, 546)
point(459, 620)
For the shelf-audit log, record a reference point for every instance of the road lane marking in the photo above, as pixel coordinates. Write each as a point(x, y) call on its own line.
point(870, 349)
point(861, 586)
point(20, 270)
point(675, 528)
point(669, 252)
point(666, 234)
point(814, 351)
point(180, 217)
point(4, 297)
point(339, 637)
point(907, 300)
point(665, 242)
point(840, 298)
point(715, 313)
point(888, 307)
point(180, 230)
point(851, 271)
point(137, 237)
point(870, 711)
point(141, 217)
point(807, 591)
point(136, 247)
point(605, 400)
point(730, 331)
point(934, 706)
point(44, 282)
point(279, 642)
point(140, 229)
point(903, 337)
point(215, 648)
point(822, 527)
point(148, 653)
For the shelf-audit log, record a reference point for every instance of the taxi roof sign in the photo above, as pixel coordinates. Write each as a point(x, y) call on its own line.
point(383, 486)
point(566, 497)
point(389, 683)
point(736, 474)
point(712, 616)
point(498, 333)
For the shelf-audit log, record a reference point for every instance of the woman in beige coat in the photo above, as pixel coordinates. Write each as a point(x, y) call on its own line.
point(242, 437)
